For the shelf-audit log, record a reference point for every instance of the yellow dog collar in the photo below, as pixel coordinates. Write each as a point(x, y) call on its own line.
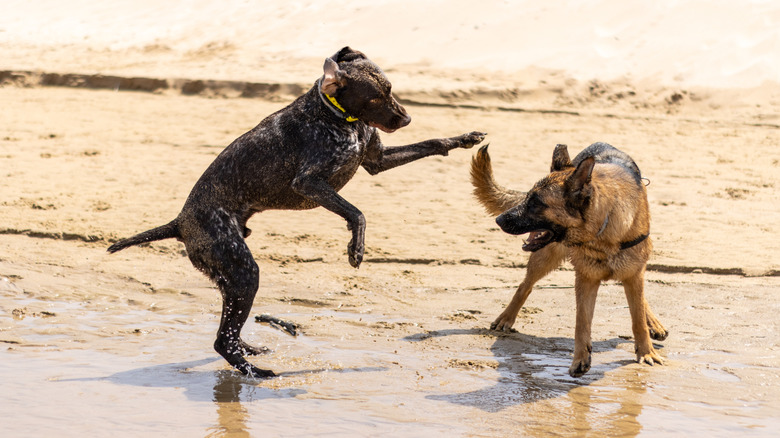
point(334, 103)
point(338, 105)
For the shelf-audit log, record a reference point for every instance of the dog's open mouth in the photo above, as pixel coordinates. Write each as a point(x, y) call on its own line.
point(537, 240)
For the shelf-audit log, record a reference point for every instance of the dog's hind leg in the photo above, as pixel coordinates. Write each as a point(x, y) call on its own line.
point(220, 251)
point(540, 264)
point(637, 305)
point(657, 330)
point(238, 282)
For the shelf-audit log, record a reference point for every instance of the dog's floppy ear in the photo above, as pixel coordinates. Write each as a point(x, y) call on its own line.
point(560, 159)
point(347, 54)
point(333, 78)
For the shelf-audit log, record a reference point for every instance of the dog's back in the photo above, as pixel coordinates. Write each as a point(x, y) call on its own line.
point(607, 154)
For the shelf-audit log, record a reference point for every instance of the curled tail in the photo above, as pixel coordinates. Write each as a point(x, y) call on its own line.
point(492, 196)
point(171, 229)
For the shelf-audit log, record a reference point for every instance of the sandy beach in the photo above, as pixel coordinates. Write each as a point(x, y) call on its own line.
point(109, 113)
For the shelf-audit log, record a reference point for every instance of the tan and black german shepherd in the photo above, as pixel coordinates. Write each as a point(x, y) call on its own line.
point(593, 211)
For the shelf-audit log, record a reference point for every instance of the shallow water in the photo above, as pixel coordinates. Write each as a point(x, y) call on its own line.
point(161, 378)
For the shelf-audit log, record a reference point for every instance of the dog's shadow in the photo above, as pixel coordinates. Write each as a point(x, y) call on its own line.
point(230, 391)
point(220, 386)
point(531, 368)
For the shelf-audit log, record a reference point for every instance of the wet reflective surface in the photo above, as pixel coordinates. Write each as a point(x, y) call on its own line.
point(120, 345)
point(366, 374)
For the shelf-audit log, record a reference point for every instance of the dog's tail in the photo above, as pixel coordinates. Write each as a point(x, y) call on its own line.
point(171, 229)
point(492, 196)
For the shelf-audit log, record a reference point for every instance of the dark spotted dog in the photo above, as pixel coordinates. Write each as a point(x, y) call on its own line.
point(296, 159)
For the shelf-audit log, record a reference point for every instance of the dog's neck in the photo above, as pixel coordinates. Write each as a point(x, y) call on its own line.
point(333, 105)
point(623, 245)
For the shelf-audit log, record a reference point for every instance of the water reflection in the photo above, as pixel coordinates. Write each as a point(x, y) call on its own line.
point(605, 411)
point(232, 416)
point(231, 393)
point(534, 374)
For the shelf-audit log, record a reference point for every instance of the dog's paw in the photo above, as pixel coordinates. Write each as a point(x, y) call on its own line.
point(249, 350)
point(658, 333)
point(650, 358)
point(579, 367)
point(254, 372)
point(356, 245)
point(581, 362)
point(503, 323)
point(355, 253)
point(467, 141)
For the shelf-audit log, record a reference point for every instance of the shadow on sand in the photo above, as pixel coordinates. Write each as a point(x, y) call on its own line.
point(221, 386)
point(532, 368)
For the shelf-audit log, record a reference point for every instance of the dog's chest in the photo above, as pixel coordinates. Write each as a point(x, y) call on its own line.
point(348, 149)
point(345, 154)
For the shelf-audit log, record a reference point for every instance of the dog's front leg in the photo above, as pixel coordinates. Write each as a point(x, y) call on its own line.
point(380, 158)
point(540, 264)
point(319, 191)
point(585, 290)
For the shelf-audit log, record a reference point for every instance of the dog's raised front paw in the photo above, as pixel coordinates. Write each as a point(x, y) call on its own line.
point(356, 245)
point(355, 253)
point(467, 141)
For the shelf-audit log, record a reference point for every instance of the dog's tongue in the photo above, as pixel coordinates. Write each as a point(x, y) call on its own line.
point(538, 236)
point(535, 235)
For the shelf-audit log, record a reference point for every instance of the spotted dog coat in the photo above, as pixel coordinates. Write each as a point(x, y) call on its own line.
point(296, 159)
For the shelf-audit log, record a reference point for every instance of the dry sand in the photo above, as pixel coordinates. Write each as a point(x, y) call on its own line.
point(91, 343)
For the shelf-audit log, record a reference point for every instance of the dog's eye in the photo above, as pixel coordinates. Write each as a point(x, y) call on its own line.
point(535, 203)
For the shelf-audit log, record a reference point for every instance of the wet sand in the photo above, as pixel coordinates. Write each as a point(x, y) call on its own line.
point(401, 346)
point(121, 344)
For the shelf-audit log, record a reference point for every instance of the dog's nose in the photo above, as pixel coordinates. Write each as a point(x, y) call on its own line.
point(507, 222)
point(402, 117)
point(501, 221)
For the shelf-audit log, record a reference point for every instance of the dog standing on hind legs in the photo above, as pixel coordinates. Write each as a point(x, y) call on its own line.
point(592, 210)
point(296, 159)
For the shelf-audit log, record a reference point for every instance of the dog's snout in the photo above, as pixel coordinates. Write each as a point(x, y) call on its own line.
point(402, 116)
point(509, 222)
point(502, 221)
point(404, 119)
point(398, 117)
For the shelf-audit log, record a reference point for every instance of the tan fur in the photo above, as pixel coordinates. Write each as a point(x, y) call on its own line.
point(492, 196)
point(592, 247)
